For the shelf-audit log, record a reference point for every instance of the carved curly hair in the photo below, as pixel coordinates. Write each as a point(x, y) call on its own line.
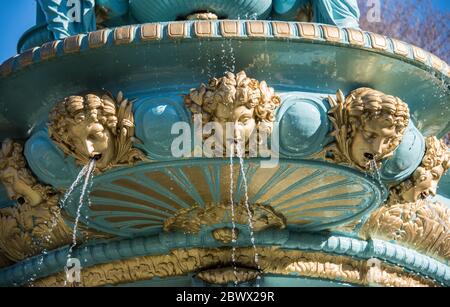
point(75, 109)
point(233, 91)
point(366, 104)
point(437, 154)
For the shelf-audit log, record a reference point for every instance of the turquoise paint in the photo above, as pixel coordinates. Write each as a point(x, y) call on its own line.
point(407, 157)
point(154, 118)
point(303, 124)
point(59, 20)
point(48, 162)
point(444, 185)
point(156, 68)
point(371, 195)
point(35, 36)
point(342, 13)
point(169, 10)
point(93, 254)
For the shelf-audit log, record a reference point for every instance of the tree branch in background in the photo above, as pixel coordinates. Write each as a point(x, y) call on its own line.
point(418, 22)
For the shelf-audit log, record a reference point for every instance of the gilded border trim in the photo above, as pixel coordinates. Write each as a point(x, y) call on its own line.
point(54, 262)
point(238, 29)
point(273, 260)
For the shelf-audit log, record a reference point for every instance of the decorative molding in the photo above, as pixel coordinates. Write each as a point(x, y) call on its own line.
point(92, 126)
point(72, 44)
point(150, 31)
point(272, 260)
point(251, 30)
point(359, 120)
point(225, 235)
point(49, 50)
point(116, 251)
point(35, 224)
point(124, 35)
point(98, 38)
point(423, 226)
point(228, 275)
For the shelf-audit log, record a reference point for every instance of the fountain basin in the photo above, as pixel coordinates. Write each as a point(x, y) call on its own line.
point(152, 59)
point(311, 196)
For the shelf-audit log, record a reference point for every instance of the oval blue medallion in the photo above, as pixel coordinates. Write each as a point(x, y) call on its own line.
point(407, 157)
point(303, 125)
point(154, 120)
point(48, 162)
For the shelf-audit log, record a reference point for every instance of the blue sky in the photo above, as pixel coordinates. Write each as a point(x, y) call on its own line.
point(16, 16)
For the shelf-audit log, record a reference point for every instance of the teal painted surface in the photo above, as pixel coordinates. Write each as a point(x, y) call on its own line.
point(407, 157)
point(61, 23)
point(265, 281)
point(115, 8)
point(303, 124)
point(169, 10)
point(92, 254)
point(175, 66)
point(48, 162)
point(342, 13)
point(34, 37)
point(444, 185)
point(154, 117)
point(146, 203)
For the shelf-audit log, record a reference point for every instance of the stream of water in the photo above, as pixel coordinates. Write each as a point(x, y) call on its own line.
point(84, 198)
point(233, 221)
point(240, 153)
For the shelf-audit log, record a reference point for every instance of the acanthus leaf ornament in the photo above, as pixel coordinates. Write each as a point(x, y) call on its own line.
point(35, 223)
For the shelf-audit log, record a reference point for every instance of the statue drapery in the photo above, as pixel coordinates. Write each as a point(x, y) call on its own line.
point(60, 14)
point(342, 13)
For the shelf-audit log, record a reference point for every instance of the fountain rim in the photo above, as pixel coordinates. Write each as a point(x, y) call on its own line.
point(220, 29)
point(54, 262)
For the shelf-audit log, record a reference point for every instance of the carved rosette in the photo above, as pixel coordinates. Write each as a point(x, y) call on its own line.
point(368, 127)
point(96, 126)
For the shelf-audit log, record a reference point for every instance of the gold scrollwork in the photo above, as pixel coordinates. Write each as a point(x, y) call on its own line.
point(272, 260)
point(35, 223)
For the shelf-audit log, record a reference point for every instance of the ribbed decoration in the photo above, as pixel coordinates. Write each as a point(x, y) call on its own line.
point(310, 195)
point(169, 10)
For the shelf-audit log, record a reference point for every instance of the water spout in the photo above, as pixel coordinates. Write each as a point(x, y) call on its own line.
point(240, 153)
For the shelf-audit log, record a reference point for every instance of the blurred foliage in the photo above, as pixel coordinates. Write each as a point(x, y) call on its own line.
point(418, 22)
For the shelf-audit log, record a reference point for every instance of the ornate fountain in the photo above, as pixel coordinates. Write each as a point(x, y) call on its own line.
point(117, 151)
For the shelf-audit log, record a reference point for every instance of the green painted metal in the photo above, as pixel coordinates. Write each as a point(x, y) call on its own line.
point(96, 253)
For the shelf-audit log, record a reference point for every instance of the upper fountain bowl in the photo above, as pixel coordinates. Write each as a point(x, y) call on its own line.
point(156, 10)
